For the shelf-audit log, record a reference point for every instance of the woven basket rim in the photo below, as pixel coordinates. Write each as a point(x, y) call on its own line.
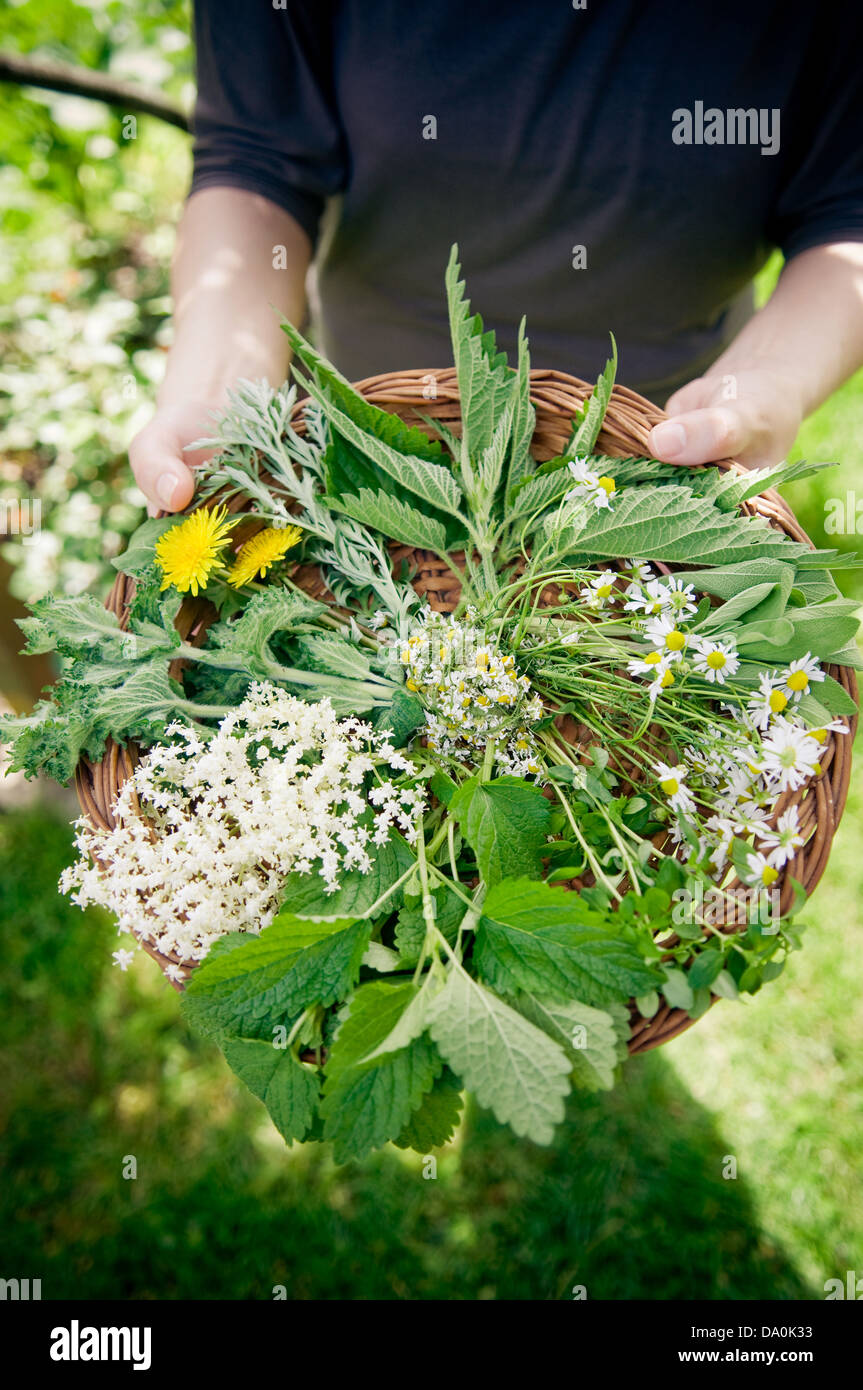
point(556, 395)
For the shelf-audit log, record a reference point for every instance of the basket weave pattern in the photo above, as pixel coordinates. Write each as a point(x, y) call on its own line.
point(556, 398)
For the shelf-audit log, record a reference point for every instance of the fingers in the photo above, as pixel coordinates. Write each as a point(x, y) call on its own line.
point(161, 474)
point(699, 436)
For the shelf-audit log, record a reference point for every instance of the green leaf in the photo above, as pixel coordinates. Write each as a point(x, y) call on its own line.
point(432, 482)
point(677, 989)
point(520, 465)
point(401, 718)
point(289, 1090)
point(485, 382)
point(589, 1037)
point(741, 603)
point(393, 518)
point(367, 1102)
point(268, 612)
point(292, 964)
point(411, 928)
point(589, 422)
point(545, 940)
point(305, 894)
point(137, 558)
point(505, 822)
point(434, 1123)
point(335, 656)
point(727, 581)
point(670, 523)
point(513, 1067)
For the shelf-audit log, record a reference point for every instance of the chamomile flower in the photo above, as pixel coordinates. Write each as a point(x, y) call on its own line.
point(798, 675)
point(259, 554)
point(650, 599)
point(783, 841)
point(760, 871)
point(769, 701)
point(590, 486)
point(715, 659)
point(789, 755)
point(680, 597)
point(662, 681)
point(601, 591)
point(672, 784)
point(653, 664)
point(377, 620)
point(665, 635)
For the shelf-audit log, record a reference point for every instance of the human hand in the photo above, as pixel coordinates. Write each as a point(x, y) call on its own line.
point(752, 416)
point(160, 462)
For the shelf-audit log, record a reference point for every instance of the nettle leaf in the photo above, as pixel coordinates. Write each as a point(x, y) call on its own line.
point(292, 964)
point(367, 1102)
point(432, 482)
point(544, 940)
point(305, 894)
point(289, 1090)
point(505, 822)
point(401, 718)
point(590, 1037)
point(394, 518)
point(485, 382)
point(521, 465)
point(435, 1122)
point(385, 425)
point(514, 1068)
point(670, 523)
point(589, 421)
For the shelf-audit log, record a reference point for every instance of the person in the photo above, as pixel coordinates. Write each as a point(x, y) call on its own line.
point(624, 166)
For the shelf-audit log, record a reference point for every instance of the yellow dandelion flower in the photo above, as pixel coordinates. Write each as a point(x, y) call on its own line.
point(189, 554)
point(262, 552)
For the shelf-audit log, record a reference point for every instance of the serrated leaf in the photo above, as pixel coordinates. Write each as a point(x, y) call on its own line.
point(544, 940)
point(305, 895)
point(289, 1090)
point(485, 382)
point(137, 558)
point(335, 656)
point(589, 1037)
point(521, 465)
point(292, 964)
point(505, 822)
point(433, 482)
point(587, 429)
point(513, 1068)
point(434, 1123)
point(393, 518)
point(367, 1102)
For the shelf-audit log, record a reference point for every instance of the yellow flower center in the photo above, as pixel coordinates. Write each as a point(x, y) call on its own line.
point(798, 680)
point(716, 660)
point(670, 786)
point(607, 484)
point(777, 701)
point(675, 641)
point(768, 875)
point(652, 658)
point(667, 679)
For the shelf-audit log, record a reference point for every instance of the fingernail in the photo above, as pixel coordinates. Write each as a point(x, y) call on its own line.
point(166, 486)
point(669, 439)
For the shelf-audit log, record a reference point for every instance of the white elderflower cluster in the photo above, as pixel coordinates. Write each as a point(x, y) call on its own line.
point(208, 829)
point(729, 788)
point(472, 692)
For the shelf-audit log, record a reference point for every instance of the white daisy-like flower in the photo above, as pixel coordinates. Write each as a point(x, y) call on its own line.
point(783, 841)
point(663, 680)
point(663, 632)
point(653, 664)
point(590, 486)
point(601, 591)
point(640, 570)
point(672, 784)
point(378, 620)
point(789, 754)
point(715, 659)
point(799, 674)
point(650, 598)
point(769, 701)
point(760, 870)
point(681, 598)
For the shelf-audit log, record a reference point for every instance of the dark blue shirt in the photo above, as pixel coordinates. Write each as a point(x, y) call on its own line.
point(596, 166)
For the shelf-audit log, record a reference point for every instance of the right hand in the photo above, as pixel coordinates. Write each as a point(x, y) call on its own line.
point(160, 462)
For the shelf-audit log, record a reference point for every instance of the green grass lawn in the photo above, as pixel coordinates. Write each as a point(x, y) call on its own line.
point(633, 1200)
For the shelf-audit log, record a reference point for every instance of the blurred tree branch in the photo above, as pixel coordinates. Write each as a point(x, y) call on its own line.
point(61, 77)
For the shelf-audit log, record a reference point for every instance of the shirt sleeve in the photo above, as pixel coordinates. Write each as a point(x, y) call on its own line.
point(265, 116)
point(821, 198)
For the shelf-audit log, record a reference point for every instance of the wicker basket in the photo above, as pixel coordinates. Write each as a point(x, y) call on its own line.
point(556, 397)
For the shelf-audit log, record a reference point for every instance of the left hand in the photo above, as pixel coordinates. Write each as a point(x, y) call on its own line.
point(751, 415)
